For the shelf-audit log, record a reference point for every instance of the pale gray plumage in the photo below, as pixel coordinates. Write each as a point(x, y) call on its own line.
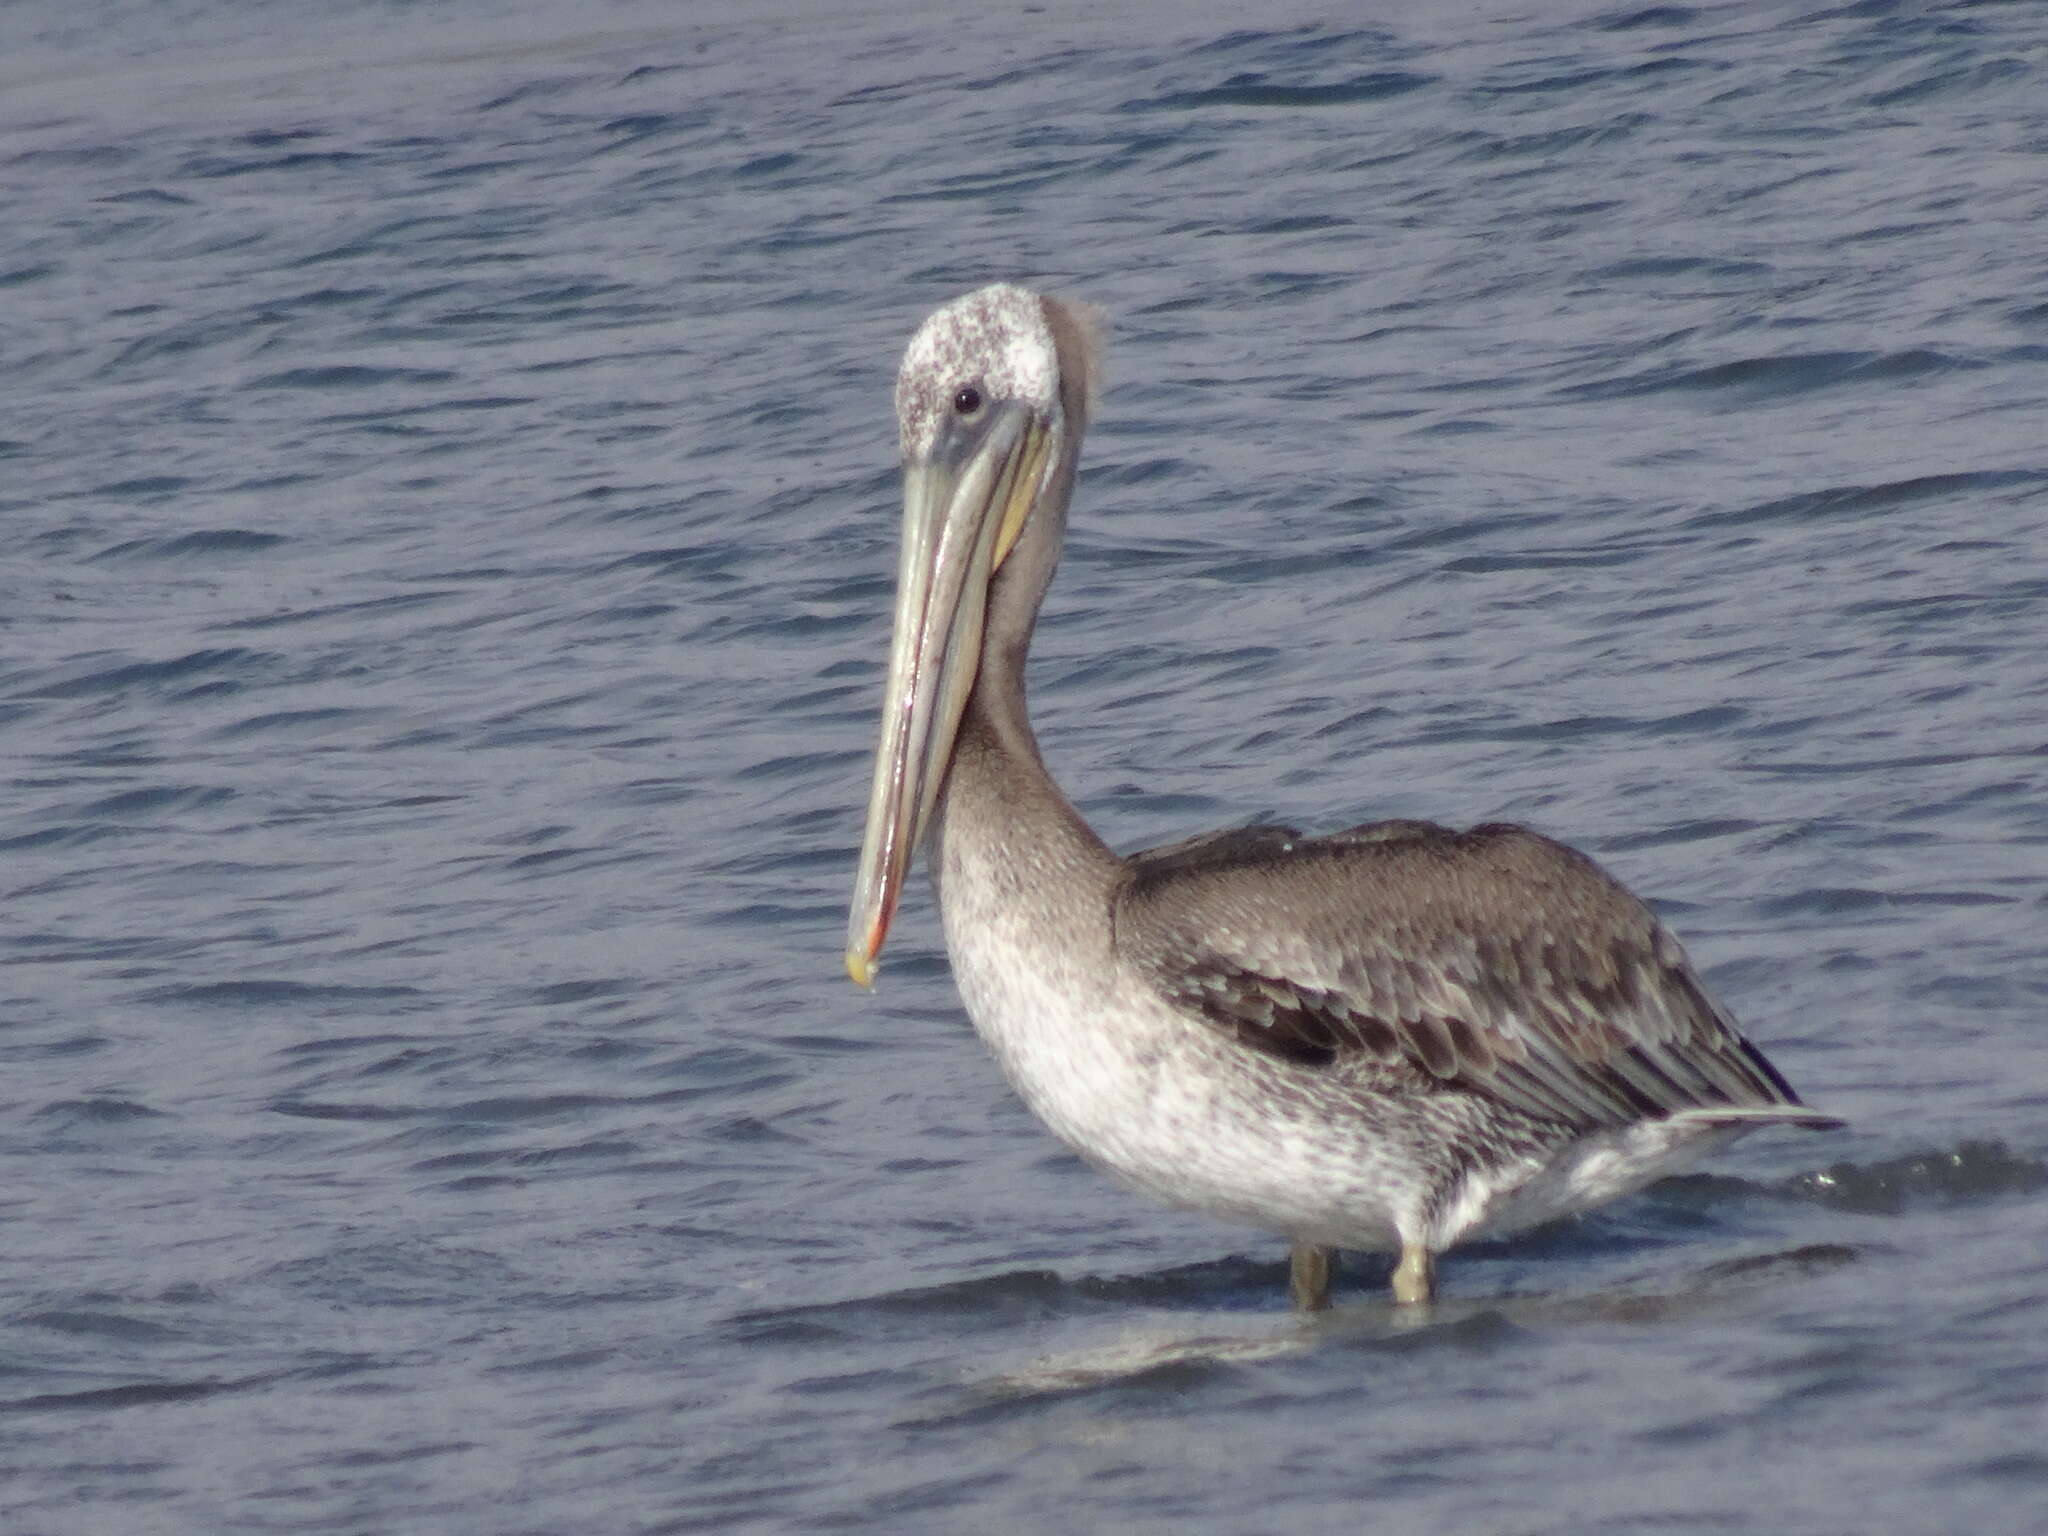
point(1392, 1037)
point(1494, 959)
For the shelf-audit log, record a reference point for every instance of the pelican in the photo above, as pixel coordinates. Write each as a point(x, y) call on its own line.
point(1390, 1038)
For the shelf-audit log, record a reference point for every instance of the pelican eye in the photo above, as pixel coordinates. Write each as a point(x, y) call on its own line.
point(966, 400)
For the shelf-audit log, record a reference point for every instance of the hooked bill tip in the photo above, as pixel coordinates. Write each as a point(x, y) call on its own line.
point(861, 967)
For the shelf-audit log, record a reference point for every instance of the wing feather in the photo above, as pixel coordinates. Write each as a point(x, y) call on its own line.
point(1494, 960)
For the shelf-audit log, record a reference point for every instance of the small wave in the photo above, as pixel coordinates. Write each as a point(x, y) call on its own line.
point(1260, 91)
point(348, 376)
point(266, 992)
point(1971, 1172)
point(150, 675)
point(103, 1111)
point(1770, 378)
point(1849, 502)
point(201, 543)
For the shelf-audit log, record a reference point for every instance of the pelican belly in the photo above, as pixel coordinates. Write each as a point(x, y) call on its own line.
point(1150, 1096)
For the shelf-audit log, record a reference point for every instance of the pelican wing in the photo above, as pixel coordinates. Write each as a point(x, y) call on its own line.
point(1494, 960)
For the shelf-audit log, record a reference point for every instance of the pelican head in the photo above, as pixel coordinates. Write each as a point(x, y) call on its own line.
point(990, 423)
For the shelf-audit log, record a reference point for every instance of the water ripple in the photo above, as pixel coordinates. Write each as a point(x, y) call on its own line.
point(449, 519)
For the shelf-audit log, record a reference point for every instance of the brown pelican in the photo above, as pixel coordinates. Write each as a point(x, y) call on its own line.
point(1389, 1038)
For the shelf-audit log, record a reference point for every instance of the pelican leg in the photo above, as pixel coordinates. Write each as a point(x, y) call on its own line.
point(1308, 1277)
point(1415, 1276)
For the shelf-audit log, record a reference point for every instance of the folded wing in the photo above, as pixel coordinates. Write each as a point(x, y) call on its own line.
point(1493, 961)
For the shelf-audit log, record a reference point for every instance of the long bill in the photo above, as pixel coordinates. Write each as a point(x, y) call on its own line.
point(962, 510)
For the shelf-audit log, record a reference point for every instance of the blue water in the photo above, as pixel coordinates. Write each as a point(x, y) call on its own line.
point(447, 513)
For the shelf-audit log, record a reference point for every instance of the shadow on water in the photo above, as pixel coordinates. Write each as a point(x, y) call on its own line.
point(1231, 1307)
point(1153, 1359)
